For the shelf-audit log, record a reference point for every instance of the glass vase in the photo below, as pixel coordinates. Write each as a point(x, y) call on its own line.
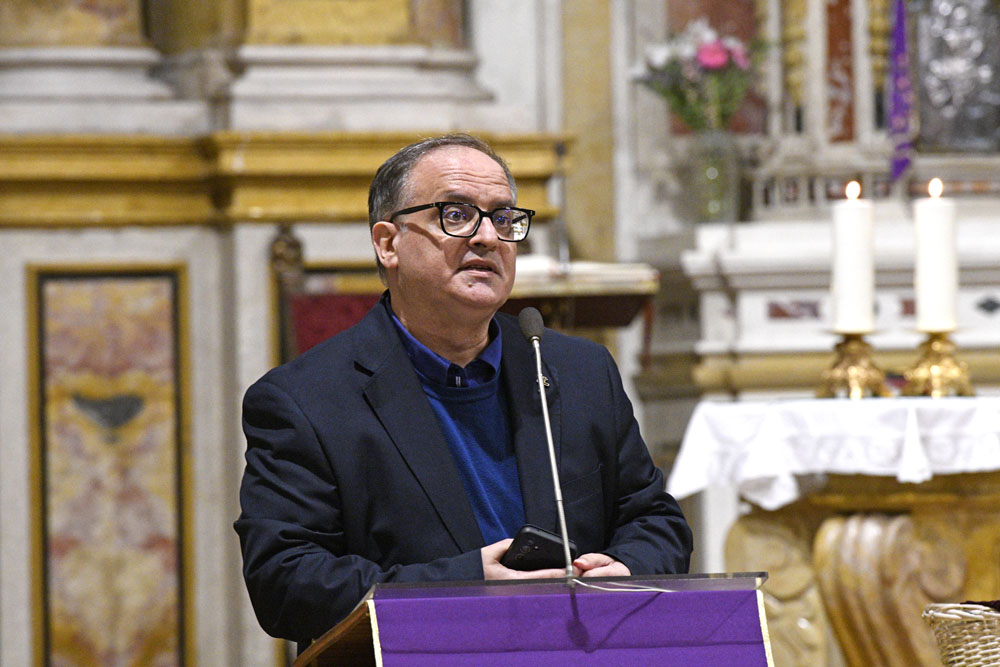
point(711, 178)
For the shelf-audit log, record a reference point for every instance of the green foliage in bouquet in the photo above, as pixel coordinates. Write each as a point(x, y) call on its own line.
point(703, 77)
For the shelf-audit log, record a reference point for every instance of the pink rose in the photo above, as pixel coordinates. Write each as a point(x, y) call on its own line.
point(713, 55)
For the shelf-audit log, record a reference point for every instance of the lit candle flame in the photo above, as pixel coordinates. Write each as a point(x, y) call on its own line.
point(853, 190)
point(935, 188)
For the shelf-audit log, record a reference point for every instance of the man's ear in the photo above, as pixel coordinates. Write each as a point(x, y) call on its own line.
point(384, 241)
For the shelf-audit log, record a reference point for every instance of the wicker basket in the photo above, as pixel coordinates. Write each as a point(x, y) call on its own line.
point(968, 635)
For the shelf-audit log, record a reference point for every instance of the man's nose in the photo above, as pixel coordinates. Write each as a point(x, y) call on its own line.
point(486, 234)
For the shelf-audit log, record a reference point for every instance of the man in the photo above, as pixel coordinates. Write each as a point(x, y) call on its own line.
point(411, 447)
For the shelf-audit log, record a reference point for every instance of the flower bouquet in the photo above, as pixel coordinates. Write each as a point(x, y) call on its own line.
point(704, 77)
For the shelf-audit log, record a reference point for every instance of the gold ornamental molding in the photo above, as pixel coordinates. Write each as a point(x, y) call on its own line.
point(793, 38)
point(749, 372)
point(857, 493)
point(223, 178)
point(879, 25)
point(285, 177)
point(79, 181)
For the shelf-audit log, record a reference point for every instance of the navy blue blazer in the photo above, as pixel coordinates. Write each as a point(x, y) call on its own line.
point(349, 481)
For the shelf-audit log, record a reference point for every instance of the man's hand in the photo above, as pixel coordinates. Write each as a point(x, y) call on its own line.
point(600, 565)
point(492, 569)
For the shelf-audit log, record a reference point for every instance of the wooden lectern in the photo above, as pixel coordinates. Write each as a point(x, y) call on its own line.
point(679, 620)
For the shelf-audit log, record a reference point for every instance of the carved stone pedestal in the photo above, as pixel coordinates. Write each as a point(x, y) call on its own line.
point(853, 565)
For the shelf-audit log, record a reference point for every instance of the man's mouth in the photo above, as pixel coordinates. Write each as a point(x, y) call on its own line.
point(476, 266)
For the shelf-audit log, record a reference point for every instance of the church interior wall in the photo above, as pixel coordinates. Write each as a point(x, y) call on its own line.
point(180, 138)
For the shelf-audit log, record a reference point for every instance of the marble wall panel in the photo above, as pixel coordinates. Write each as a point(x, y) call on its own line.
point(26, 23)
point(110, 469)
point(839, 72)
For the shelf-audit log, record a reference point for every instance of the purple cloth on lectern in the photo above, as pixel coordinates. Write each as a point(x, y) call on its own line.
point(514, 627)
point(900, 94)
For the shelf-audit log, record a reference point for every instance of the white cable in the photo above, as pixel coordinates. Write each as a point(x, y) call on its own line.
point(614, 587)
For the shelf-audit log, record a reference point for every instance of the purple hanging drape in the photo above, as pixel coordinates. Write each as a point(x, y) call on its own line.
point(900, 95)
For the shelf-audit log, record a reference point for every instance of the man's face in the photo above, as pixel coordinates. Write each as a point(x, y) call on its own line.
point(428, 269)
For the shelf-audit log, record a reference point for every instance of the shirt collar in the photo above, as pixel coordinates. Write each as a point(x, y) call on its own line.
point(436, 368)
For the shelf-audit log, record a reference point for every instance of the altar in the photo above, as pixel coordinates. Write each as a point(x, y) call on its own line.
point(862, 512)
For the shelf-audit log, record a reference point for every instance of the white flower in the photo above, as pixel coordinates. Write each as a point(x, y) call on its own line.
point(658, 55)
point(685, 48)
point(700, 32)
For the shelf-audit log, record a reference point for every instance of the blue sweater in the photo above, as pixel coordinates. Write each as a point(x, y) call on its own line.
point(470, 406)
point(474, 422)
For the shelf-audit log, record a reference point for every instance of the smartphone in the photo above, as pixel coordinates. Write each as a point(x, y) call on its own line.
point(535, 548)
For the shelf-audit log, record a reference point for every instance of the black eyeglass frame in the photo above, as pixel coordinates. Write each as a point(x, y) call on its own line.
point(439, 205)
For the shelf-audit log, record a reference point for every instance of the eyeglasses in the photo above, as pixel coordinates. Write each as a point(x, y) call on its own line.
point(463, 220)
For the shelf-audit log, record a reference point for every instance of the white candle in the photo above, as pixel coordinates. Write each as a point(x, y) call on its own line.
point(936, 274)
point(852, 285)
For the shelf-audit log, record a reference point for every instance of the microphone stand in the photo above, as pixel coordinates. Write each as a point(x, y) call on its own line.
point(563, 531)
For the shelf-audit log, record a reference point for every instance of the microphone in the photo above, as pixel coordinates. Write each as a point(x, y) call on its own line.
point(532, 328)
point(531, 323)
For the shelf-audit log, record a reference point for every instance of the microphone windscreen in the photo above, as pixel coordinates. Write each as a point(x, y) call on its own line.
point(531, 323)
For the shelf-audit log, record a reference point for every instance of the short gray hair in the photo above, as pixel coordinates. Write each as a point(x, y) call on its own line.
point(389, 187)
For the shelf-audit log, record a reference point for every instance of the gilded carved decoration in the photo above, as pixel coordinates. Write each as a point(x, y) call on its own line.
point(28, 23)
point(793, 39)
point(853, 565)
point(877, 573)
point(286, 259)
point(853, 374)
point(796, 619)
point(878, 40)
point(761, 13)
point(938, 372)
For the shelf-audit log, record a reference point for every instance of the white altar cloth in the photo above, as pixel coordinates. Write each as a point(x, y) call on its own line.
point(766, 450)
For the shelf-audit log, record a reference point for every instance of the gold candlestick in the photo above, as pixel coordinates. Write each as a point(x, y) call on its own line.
point(853, 374)
point(937, 373)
